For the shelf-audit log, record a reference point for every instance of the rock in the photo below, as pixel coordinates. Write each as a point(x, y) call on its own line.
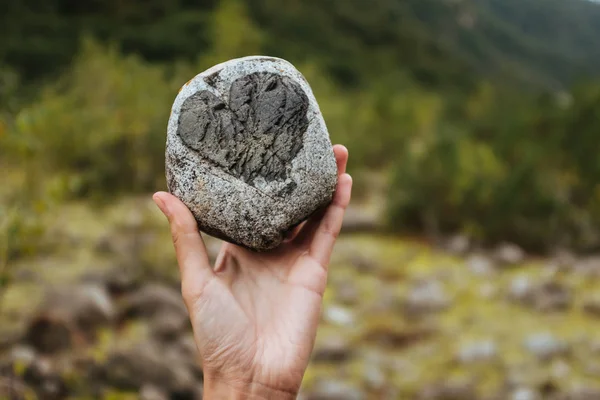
point(153, 299)
point(167, 326)
point(547, 296)
point(334, 349)
point(22, 355)
point(509, 254)
point(589, 266)
point(563, 259)
point(50, 334)
point(458, 244)
point(335, 390)
point(45, 379)
point(121, 280)
point(480, 265)
point(148, 363)
point(521, 288)
point(582, 394)
point(248, 151)
point(14, 389)
point(94, 307)
point(338, 315)
point(69, 313)
point(481, 351)
point(525, 394)
point(374, 377)
point(545, 345)
point(449, 391)
point(552, 296)
point(151, 392)
point(425, 297)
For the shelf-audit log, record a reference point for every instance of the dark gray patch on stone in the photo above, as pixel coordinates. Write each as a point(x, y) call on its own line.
point(258, 133)
point(248, 151)
point(212, 78)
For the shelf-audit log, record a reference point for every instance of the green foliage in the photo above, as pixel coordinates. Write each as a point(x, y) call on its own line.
point(545, 43)
point(234, 34)
point(422, 88)
point(38, 38)
point(101, 128)
point(522, 169)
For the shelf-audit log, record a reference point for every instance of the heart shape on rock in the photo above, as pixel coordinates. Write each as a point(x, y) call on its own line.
point(257, 134)
point(248, 151)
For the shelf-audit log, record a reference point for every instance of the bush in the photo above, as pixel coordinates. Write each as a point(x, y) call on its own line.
point(523, 169)
point(101, 128)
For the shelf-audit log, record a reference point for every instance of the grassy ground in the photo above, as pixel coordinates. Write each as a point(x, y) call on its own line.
point(401, 319)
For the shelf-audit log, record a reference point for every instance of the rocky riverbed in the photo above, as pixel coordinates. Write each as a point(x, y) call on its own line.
point(97, 313)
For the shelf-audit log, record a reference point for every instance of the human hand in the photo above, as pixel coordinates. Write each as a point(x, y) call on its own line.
point(255, 315)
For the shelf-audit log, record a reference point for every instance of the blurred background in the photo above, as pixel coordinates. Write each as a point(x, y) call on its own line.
point(469, 264)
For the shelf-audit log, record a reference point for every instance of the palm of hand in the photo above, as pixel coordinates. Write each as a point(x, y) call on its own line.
point(265, 310)
point(255, 315)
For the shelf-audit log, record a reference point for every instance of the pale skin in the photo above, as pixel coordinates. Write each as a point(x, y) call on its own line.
point(255, 315)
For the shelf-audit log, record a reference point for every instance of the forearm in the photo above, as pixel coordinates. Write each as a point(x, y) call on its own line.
point(217, 389)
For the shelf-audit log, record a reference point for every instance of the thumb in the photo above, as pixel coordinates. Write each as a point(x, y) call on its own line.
point(192, 258)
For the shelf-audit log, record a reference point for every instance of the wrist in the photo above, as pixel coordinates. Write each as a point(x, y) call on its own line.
point(216, 388)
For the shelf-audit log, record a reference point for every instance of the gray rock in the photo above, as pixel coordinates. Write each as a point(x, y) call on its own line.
point(151, 392)
point(458, 244)
point(509, 254)
point(484, 350)
point(335, 390)
point(248, 151)
point(524, 394)
point(68, 313)
point(546, 296)
point(168, 325)
point(14, 388)
point(148, 362)
point(425, 297)
point(448, 391)
point(152, 300)
point(338, 315)
point(545, 345)
point(589, 266)
point(582, 394)
point(43, 375)
point(335, 349)
point(480, 265)
point(23, 355)
point(521, 288)
point(374, 377)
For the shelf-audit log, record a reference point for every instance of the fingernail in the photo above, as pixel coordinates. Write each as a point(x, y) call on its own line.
point(160, 203)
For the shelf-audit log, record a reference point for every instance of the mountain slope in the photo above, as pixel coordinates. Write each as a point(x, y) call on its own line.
point(545, 43)
point(548, 43)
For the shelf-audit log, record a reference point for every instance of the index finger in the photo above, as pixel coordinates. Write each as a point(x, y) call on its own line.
point(192, 257)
